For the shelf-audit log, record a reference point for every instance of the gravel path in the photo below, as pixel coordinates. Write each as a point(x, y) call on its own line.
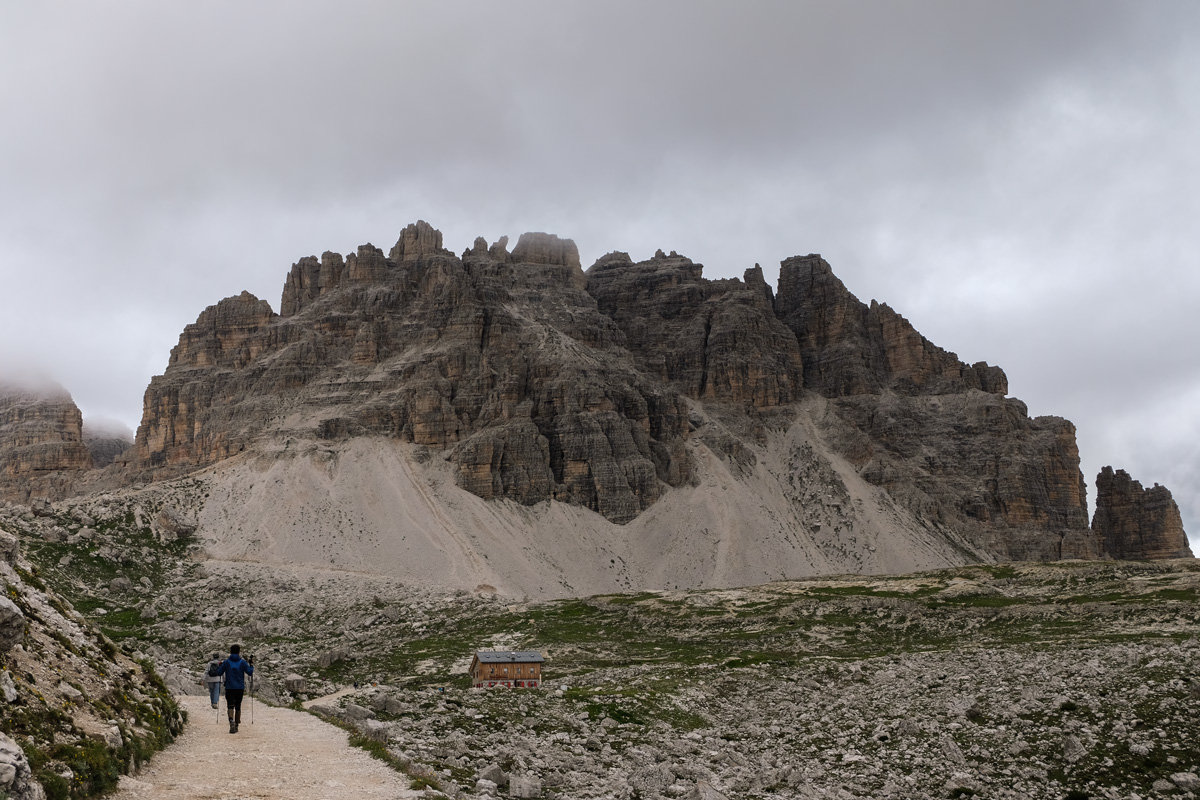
point(284, 755)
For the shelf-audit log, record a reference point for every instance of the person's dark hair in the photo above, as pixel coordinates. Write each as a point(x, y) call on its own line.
point(234, 649)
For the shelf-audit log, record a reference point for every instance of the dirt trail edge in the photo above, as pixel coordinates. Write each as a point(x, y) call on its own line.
point(284, 755)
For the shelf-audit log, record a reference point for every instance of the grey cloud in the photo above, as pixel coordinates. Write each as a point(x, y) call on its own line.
point(106, 428)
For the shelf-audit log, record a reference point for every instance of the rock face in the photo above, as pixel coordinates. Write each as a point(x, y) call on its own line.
point(715, 340)
point(196, 418)
point(501, 360)
point(851, 348)
point(1137, 523)
point(12, 624)
point(937, 434)
point(975, 462)
point(41, 442)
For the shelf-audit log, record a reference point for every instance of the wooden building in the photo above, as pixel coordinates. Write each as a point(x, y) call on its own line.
point(519, 669)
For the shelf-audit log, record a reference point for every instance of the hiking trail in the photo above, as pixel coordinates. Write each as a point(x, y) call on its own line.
point(284, 755)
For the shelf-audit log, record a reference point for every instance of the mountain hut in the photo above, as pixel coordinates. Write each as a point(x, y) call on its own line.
point(521, 669)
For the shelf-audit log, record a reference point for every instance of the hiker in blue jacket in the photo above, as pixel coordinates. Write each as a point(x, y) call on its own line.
point(235, 669)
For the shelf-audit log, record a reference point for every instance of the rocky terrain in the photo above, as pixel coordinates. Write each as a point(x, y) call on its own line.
point(76, 711)
point(1070, 679)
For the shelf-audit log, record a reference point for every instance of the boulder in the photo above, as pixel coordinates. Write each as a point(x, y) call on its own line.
point(112, 737)
point(10, 547)
point(493, 773)
point(171, 525)
point(12, 624)
point(1186, 781)
point(295, 683)
point(375, 730)
point(84, 534)
point(353, 711)
point(703, 790)
point(16, 777)
point(1072, 749)
point(651, 781)
point(334, 656)
point(524, 786)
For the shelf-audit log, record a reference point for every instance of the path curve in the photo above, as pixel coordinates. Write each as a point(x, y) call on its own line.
point(284, 755)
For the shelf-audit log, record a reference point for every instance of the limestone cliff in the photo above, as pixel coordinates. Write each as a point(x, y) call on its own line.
point(501, 360)
point(714, 340)
point(851, 348)
point(41, 442)
point(1137, 523)
point(977, 463)
point(936, 433)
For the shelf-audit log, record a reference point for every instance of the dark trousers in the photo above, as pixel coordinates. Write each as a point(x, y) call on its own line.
point(233, 703)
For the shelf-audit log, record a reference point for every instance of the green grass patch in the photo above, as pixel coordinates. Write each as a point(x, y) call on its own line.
point(1184, 595)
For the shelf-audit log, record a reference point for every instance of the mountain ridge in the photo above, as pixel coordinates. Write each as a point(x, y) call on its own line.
point(520, 377)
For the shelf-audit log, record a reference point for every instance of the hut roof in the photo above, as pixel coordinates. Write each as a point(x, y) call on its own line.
point(508, 656)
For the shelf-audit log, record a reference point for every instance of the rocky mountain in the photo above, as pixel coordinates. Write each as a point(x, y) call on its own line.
point(41, 441)
point(507, 419)
point(503, 359)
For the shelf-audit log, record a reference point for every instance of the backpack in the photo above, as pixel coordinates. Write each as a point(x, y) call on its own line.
point(214, 668)
point(236, 672)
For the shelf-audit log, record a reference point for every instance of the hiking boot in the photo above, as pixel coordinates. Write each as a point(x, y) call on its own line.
point(232, 726)
point(214, 705)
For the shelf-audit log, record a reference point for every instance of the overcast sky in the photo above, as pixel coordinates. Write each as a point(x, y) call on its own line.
point(1019, 179)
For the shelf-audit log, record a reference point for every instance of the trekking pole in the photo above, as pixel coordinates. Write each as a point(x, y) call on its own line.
point(251, 698)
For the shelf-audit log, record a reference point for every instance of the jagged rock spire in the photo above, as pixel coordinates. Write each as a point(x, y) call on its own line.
point(1137, 523)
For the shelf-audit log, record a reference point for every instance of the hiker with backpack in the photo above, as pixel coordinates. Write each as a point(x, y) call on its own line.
point(212, 677)
point(235, 669)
